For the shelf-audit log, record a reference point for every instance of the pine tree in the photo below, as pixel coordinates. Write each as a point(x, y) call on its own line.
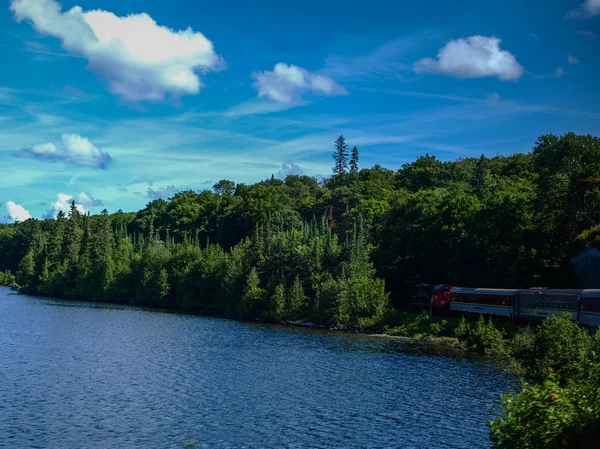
point(340, 156)
point(354, 161)
point(102, 255)
point(277, 305)
point(253, 295)
point(296, 300)
point(479, 182)
point(71, 247)
point(26, 271)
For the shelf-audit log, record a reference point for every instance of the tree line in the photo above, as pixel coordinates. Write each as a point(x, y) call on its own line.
point(344, 251)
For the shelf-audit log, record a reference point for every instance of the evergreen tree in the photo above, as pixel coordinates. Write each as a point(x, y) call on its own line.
point(354, 161)
point(253, 296)
point(340, 156)
point(102, 256)
point(296, 300)
point(71, 248)
point(26, 271)
point(277, 304)
point(479, 182)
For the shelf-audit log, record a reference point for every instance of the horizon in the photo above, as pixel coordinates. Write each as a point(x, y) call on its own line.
point(89, 112)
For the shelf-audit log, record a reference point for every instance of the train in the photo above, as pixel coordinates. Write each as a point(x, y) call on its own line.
point(533, 304)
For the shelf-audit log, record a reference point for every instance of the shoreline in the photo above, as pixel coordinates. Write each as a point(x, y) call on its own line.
point(448, 343)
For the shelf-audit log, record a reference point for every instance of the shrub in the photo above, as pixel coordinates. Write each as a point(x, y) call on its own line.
point(549, 415)
point(560, 346)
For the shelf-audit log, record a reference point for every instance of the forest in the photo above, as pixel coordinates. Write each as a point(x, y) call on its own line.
point(343, 251)
point(346, 251)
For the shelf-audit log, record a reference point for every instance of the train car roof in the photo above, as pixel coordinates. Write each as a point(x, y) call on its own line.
point(485, 291)
point(552, 291)
point(591, 293)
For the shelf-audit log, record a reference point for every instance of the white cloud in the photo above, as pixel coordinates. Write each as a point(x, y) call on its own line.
point(140, 59)
point(558, 73)
point(493, 98)
point(588, 35)
point(62, 203)
point(589, 8)
point(258, 107)
point(86, 199)
point(384, 62)
point(289, 168)
point(473, 57)
point(286, 83)
point(572, 59)
point(17, 212)
point(75, 149)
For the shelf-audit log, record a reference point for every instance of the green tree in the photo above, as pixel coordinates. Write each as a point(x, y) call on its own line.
point(277, 304)
point(224, 188)
point(102, 275)
point(340, 156)
point(296, 301)
point(354, 161)
point(251, 303)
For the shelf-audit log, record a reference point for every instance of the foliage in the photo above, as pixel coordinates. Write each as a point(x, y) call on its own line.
point(340, 156)
point(548, 415)
point(354, 161)
point(345, 251)
point(563, 409)
point(7, 278)
point(483, 336)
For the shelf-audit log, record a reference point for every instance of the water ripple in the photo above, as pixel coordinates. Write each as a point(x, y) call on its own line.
point(82, 375)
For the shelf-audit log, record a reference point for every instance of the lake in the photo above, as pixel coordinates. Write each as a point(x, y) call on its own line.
point(91, 375)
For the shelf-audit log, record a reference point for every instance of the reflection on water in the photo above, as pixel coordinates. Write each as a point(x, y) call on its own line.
point(90, 375)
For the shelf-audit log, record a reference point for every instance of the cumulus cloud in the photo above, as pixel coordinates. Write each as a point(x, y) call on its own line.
point(572, 59)
point(289, 168)
point(162, 192)
point(63, 203)
point(15, 213)
point(589, 8)
point(74, 149)
point(286, 83)
point(473, 57)
point(140, 59)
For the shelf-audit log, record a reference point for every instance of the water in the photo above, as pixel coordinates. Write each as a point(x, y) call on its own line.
point(84, 375)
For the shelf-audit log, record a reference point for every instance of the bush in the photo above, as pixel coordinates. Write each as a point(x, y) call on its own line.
point(484, 337)
point(559, 346)
point(437, 328)
point(549, 415)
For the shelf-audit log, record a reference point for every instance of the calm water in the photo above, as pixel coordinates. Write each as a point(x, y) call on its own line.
point(81, 375)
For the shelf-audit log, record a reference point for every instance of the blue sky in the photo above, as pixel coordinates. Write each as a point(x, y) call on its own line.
point(115, 103)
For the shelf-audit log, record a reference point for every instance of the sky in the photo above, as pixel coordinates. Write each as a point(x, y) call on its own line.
point(114, 103)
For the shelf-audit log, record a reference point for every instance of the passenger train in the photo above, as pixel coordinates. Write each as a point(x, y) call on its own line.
point(528, 304)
